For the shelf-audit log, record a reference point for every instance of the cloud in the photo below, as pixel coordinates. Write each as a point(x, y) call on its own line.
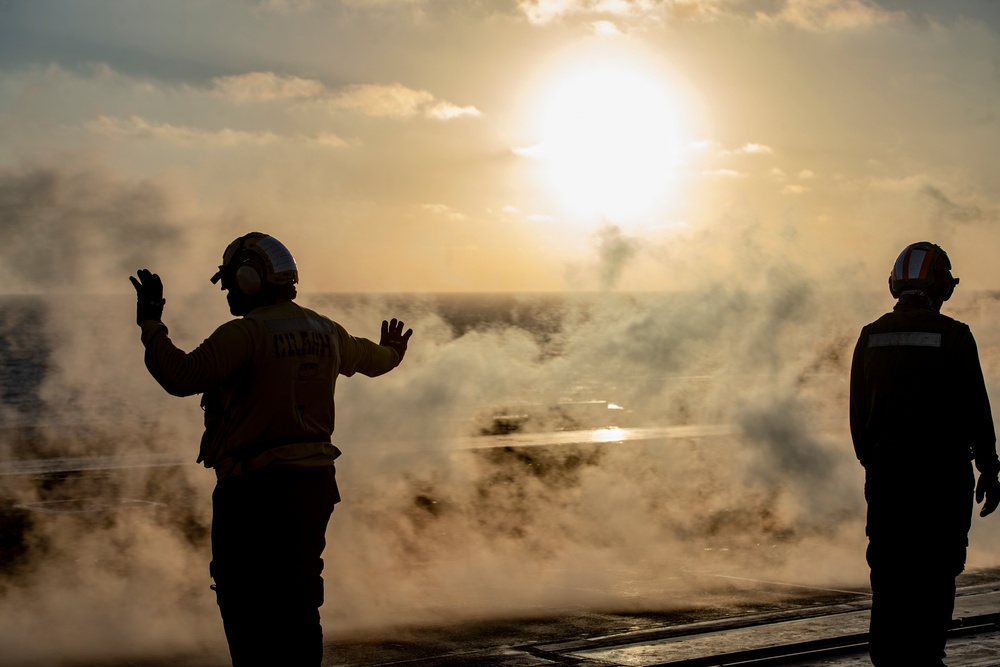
point(379, 100)
point(263, 86)
point(136, 127)
point(445, 211)
point(543, 12)
point(285, 6)
point(396, 101)
point(750, 149)
point(725, 173)
point(811, 15)
point(383, 101)
point(830, 15)
point(289, 7)
point(449, 111)
point(509, 212)
point(329, 139)
point(794, 190)
point(393, 100)
point(383, 3)
point(757, 149)
point(605, 29)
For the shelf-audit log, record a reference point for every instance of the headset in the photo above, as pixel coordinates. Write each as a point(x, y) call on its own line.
point(250, 277)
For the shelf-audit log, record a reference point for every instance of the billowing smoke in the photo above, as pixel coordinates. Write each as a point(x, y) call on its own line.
point(948, 212)
point(85, 550)
point(614, 251)
point(66, 230)
point(602, 451)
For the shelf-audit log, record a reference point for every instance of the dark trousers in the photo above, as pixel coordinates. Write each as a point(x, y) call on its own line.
point(918, 526)
point(268, 536)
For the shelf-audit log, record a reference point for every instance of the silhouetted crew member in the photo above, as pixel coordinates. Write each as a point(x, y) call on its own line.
point(919, 415)
point(267, 382)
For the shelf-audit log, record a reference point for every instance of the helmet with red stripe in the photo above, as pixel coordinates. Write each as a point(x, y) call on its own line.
point(922, 267)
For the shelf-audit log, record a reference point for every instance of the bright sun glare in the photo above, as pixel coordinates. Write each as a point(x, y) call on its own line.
point(609, 139)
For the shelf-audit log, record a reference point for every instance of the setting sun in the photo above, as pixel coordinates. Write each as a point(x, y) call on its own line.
point(608, 141)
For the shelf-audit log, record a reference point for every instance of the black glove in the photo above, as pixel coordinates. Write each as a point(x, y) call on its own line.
point(149, 296)
point(393, 336)
point(988, 488)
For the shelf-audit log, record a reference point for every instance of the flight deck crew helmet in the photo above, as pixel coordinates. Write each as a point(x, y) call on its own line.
point(254, 261)
point(923, 267)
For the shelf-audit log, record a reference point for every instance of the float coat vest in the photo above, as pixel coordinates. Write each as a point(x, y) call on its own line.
point(918, 395)
point(268, 382)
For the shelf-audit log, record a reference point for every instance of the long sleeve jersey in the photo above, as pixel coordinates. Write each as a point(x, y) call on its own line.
point(268, 382)
point(918, 394)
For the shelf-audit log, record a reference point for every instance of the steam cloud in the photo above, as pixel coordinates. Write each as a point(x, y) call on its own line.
point(70, 229)
point(614, 250)
point(463, 530)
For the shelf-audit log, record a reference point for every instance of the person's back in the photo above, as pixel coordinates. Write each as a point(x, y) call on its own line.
point(919, 414)
point(922, 387)
point(280, 405)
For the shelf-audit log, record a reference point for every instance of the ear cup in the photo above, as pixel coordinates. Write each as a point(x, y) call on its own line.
point(248, 278)
point(950, 289)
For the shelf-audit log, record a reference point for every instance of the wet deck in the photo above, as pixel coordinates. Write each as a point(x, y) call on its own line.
point(827, 630)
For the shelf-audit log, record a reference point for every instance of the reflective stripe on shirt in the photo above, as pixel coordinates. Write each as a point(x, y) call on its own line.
point(905, 339)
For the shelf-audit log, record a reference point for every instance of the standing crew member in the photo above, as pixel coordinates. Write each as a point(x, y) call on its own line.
point(267, 382)
point(919, 414)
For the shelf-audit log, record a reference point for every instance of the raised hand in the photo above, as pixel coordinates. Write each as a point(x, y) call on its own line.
point(149, 296)
point(393, 336)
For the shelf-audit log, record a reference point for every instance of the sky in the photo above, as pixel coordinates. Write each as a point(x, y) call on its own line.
point(495, 146)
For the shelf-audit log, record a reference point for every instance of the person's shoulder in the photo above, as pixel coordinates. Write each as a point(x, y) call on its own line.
point(310, 313)
point(236, 327)
point(235, 323)
point(956, 331)
point(884, 320)
point(951, 324)
point(917, 317)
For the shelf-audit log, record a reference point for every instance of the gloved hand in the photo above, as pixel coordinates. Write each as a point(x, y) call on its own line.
point(393, 336)
point(988, 488)
point(149, 296)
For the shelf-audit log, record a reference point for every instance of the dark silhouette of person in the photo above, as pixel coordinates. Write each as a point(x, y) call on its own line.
point(267, 381)
point(919, 415)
